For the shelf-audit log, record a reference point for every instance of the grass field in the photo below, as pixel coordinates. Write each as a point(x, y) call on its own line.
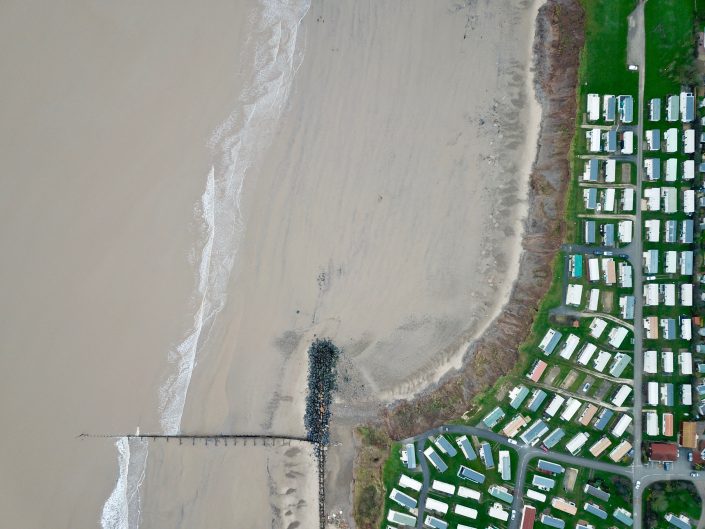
point(669, 45)
point(677, 497)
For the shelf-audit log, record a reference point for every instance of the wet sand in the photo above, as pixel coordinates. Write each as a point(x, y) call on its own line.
point(386, 214)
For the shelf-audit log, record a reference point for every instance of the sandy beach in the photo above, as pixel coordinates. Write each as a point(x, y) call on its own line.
point(218, 187)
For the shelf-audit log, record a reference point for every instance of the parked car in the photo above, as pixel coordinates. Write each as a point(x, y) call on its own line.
point(637, 485)
point(694, 474)
point(690, 457)
point(512, 441)
point(586, 387)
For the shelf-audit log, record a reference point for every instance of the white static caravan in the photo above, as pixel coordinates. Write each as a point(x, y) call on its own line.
point(554, 405)
point(571, 343)
point(687, 107)
point(628, 142)
point(609, 107)
point(594, 140)
point(653, 140)
point(622, 425)
point(686, 394)
point(686, 328)
point(651, 261)
point(652, 393)
point(652, 429)
point(667, 359)
point(688, 169)
point(608, 199)
point(593, 269)
point(574, 295)
point(650, 362)
point(628, 199)
point(685, 363)
point(610, 171)
point(462, 510)
point(443, 487)
point(593, 107)
point(652, 166)
point(622, 394)
point(594, 301)
point(586, 354)
point(624, 231)
point(651, 297)
point(670, 265)
point(571, 408)
point(625, 274)
point(673, 105)
point(601, 361)
point(597, 327)
point(410, 483)
point(689, 201)
point(655, 109)
point(671, 170)
point(670, 199)
point(671, 139)
point(689, 141)
point(668, 291)
point(652, 196)
point(465, 492)
point(616, 336)
point(653, 230)
point(576, 443)
point(592, 170)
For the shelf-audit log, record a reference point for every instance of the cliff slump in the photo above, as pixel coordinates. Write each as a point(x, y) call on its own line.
point(559, 40)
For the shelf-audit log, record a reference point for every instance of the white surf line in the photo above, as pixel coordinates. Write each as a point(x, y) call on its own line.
point(235, 145)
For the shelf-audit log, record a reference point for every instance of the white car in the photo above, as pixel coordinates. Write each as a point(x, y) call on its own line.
point(514, 514)
point(638, 484)
point(512, 441)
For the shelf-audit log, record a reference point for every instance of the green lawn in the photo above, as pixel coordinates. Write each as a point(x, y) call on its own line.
point(669, 45)
point(677, 497)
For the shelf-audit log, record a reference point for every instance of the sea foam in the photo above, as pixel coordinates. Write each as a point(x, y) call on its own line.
point(122, 510)
point(235, 145)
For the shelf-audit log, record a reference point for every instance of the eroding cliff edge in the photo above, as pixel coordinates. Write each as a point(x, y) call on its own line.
point(557, 45)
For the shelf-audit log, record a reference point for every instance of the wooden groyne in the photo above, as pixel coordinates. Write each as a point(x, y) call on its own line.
point(214, 439)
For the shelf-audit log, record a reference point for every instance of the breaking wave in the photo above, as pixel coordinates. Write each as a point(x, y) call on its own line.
point(122, 509)
point(235, 145)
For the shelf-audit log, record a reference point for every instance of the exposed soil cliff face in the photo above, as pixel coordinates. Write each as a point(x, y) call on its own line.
point(557, 47)
point(559, 40)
